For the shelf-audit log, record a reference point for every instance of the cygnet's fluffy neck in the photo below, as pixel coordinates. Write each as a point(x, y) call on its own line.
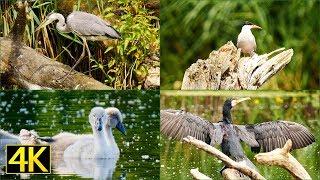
point(105, 145)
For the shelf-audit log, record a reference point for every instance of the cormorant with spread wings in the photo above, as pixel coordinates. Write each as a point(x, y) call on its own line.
point(267, 136)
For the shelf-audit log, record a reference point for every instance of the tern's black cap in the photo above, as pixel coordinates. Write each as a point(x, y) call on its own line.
point(248, 23)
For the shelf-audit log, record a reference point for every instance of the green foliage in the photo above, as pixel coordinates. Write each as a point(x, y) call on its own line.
point(190, 30)
point(118, 63)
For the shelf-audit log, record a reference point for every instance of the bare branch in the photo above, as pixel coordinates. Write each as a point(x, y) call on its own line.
point(224, 158)
point(231, 174)
point(198, 175)
point(283, 158)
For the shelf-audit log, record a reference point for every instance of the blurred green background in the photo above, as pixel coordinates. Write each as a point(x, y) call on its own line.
point(178, 158)
point(191, 29)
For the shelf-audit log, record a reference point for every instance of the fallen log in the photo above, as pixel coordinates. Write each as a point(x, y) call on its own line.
point(226, 70)
point(253, 174)
point(30, 70)
point(283, 158)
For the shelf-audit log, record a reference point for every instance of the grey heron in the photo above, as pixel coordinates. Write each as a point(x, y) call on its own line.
point(86, 26)
point(246, 41)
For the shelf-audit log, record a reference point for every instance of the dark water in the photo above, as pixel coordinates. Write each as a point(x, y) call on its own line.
point(178, 158)
point(51, 112)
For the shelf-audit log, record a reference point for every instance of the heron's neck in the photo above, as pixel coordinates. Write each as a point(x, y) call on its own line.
point(61, 25)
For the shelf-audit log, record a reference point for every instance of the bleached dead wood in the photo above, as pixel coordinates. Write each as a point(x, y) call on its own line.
point(198, 175)
point(283, 158)
point(232, 174)
point(225, 69)
point(224, 158)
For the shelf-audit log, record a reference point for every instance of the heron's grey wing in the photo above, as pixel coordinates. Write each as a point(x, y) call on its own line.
point(274, 134)
point(245, 135)
point(178, 124)
point(7, 138)
point(86, 24)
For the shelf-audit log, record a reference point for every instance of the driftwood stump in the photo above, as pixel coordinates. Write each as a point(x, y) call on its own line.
point(226, 70)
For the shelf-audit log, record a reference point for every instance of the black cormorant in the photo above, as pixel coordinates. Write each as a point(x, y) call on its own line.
point(178, 124)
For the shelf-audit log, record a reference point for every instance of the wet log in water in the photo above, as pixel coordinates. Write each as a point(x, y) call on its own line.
point(226, 70)
point(24, 67)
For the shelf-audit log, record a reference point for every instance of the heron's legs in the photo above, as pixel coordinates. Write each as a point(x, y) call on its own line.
point(89, 54)
point(84, 45)
point(78, 61)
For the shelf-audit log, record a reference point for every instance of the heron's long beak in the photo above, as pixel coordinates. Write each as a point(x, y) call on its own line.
point(236, 101)
point(44, 24)
point(255, 27)
point(121, 128)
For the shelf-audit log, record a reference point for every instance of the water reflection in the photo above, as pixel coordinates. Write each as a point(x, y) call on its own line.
point(86, 168)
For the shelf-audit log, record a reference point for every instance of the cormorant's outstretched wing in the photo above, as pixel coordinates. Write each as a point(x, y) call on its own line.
point(178, 124)
point(7, 138)
point(274, 134)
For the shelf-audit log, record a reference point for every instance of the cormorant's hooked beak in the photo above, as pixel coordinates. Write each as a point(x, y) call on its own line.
point(44, 24)
point(236, 101)
point(255, 27)
point(121, 128)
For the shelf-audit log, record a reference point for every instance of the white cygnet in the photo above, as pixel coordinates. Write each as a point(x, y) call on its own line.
point(102, 143)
